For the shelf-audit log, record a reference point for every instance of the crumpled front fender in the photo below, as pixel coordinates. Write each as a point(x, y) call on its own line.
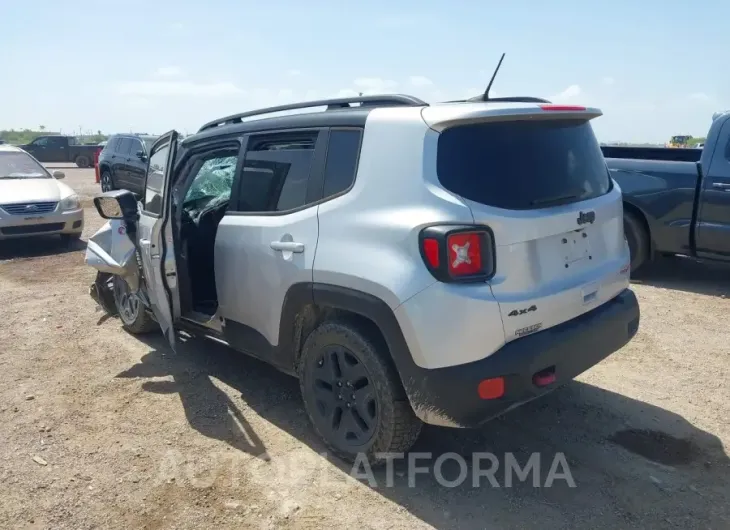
point(102, 293)
point(111, 251)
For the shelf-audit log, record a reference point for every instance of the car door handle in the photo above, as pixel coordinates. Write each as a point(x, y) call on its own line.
point(721, 186)
point(290, 246)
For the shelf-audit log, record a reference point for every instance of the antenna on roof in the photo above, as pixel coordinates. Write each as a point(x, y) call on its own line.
point(485, 97)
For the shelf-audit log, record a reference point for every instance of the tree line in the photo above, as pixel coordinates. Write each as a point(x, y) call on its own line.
point(25, 136)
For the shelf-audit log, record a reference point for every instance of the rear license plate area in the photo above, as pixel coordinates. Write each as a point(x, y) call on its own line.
point(575, 247)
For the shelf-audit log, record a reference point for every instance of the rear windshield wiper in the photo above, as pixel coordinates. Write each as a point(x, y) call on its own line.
point(552, 200)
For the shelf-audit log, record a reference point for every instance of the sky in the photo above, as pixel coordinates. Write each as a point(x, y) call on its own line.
point(655, 69)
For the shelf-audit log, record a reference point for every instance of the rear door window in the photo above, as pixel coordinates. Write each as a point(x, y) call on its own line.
point(112, 145)
point(521, 165)
point(276, 172)
point(342, 158)
point(135, 147)
point(125, 146)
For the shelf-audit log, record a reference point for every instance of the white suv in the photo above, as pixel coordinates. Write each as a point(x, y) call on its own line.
point(407, 262)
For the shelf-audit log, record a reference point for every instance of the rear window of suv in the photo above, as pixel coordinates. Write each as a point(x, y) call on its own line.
point(521, 165)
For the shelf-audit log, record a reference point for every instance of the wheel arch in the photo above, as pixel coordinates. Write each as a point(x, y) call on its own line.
point(307, 305)
point(643, 218)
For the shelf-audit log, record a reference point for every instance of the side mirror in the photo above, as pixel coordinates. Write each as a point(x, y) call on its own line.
point(59, 175)
point(117, 204)
point(141, 156)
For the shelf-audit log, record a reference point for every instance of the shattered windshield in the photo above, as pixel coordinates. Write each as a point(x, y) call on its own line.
point(214, 180)
point(18, 165)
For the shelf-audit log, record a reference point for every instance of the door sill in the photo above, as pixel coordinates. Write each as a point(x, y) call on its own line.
point(202, 319)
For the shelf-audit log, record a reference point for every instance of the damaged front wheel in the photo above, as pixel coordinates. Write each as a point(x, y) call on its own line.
point(132, 312)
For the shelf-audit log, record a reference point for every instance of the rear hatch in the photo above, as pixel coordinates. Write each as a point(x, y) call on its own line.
point(536, 176)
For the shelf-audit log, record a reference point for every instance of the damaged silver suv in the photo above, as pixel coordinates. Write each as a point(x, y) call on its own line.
point(407, 262)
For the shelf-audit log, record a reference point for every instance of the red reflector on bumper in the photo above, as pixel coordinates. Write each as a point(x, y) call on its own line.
point(545, 377)
point(491, 388)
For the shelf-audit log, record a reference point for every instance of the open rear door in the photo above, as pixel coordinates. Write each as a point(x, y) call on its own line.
point(156, 243)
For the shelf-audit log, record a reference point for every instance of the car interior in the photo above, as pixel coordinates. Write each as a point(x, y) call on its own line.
point(203, 206)
point(204, 192)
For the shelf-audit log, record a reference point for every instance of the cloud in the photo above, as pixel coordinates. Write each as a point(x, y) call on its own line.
point(169, 71)
point(178, 88)
point(435, 95)
point(608, 80)
point(368, 86)
point(569, 93)
point(346, 93)
point(699, 96)
point(294, 72)
point(374, 85)
point(420, 81)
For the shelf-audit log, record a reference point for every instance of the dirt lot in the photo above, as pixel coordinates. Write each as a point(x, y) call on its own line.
point(99, 429)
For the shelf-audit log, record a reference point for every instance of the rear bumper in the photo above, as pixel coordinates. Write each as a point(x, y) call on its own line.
point(17, 226)
point(449, 396)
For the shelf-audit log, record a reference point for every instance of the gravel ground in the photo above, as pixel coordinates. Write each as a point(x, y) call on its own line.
point(99, 429)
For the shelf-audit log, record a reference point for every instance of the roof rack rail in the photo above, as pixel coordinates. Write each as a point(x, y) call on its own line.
point(511, 99)
point(331, 104)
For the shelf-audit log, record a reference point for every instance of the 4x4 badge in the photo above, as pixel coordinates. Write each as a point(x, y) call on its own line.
point(586, 217)
point(516, 312)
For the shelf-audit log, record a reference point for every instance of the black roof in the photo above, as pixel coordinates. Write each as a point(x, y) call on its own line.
point(336, 118)
point(340, 112)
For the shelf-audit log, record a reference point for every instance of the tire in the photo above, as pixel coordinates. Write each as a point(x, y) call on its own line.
point(338, 356)
point(132, 312)
point(107, 184)
point(82, 161)
point(638, 240)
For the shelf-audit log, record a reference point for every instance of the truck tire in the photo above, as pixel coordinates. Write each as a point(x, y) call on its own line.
point(82, 161)
point(638, 239)
point(131, 310)
point(353, 395)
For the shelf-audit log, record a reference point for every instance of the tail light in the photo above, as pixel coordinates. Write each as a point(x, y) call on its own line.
point(458, 253)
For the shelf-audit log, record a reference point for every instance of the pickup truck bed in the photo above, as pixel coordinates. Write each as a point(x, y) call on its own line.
point(676, 201)
point(58, 148)
point(652, 153)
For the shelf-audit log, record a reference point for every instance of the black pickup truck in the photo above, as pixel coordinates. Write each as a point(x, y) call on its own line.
point(58, 148)
point(676, 201)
